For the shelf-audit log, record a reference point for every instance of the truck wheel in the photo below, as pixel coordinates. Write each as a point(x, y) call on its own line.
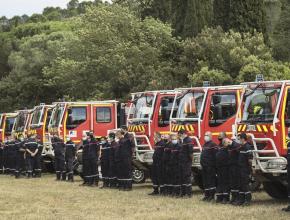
point(138, 176)
point(276, 190)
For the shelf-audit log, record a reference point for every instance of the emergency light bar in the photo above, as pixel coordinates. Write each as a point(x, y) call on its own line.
point(260, 78)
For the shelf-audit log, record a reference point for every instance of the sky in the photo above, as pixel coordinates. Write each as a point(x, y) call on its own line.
point(9, 8)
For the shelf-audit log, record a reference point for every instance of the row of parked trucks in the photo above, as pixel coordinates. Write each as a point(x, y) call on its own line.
point(260, 108)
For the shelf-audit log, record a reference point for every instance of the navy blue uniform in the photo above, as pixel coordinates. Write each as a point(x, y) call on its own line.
point(288, 171)
point(234, 170)
point(1, 159)
point(59, 158)
point(222, 165)
point(123, 158)
point(185, 164)
point(70, 153)
point(156, 172)
point(112, 165)
point(105, 163)
point(208, 164)
point(175, 169)
point(31, 145)
point(91, 151)
point(20, 163)
point(167, 174)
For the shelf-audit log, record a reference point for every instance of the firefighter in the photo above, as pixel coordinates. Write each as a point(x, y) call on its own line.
point(221, 137)
point(234, 170)
point(123, 157)
point(59, 158)
point(10, 156)
point(105, 161)
point(70, 154)
point(37, 166)
point(287, 209)
point(167, 174)
point(185, 163)
point(31, 147)
point(156, 172)
point(245, 157)
point(20, 150)
point(222, 166)
point(207, 161)
point(112, 163)
point(91, 151)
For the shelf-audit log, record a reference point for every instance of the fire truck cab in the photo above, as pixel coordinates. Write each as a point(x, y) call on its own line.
point(6, 125)
point(38, 124)
point(21, 123)
point(148, 112)
point(74, 119)
point(265, 117)
point(203, 109)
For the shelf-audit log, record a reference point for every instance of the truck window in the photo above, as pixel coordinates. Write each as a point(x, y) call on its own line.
point(47, 119)
point(222, 107)
point(76, 116)
point(103, 115)
point(287, 110)
point(9, 125)
point(166, 104)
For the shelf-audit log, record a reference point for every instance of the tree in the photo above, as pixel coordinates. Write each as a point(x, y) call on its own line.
point(221, 10)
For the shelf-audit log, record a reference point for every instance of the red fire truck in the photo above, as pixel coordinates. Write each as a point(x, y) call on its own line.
point(148, 112)
point(22, 120)
point(202, 109)
point(6, 125)
point(265, 116)
point(74, 119)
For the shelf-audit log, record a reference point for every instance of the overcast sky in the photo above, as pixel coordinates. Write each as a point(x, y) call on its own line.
point(9, 8)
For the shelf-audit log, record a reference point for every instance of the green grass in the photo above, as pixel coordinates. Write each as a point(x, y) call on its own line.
point(46, 199)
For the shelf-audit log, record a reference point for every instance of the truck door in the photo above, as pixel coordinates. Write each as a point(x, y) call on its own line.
point(286, 118)
point(220, 112)
point(77, 121)
point(104, 118)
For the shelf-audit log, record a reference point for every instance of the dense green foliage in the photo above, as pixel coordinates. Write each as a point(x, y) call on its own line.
point(95, 50)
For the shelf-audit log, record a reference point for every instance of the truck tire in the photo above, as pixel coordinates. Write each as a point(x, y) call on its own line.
point(276, 190)
point(138, 176)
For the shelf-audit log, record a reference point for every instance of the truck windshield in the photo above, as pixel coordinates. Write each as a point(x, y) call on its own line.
point(142, 108)
point(56, 116)
point(20, 122)
point(189, 105)
point(260, 105)
point(9, 125)
point(37, 115)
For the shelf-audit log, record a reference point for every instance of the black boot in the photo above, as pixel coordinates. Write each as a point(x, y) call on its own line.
point(177, 191)
point(183, 190)
point(17, 174)
point(219, 198)
point(248, 199)
point(128, 185)
point(85, 183)
point(211, 195)
point(70, 177)
point(155, 191)
point(241, 200)
point(206, 195)
point(29, 174)
point(58, 174)
point(63, 176)
point(235, 197)
point(162, 190)
point(226, 198)
point(188, 190)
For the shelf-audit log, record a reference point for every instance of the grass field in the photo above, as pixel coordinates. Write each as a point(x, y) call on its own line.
point(46, 199)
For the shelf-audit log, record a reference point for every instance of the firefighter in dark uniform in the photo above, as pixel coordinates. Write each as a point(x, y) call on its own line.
point(59, 157)
point(1, 158)
point(287, 209)
point(112, 163)
point(234, 170)
point(185, 163)
point(245, 158)
point(105, 161)
point(123, 157)
point(208, 163)
point(156, 171)
point(167, 174)
point(20, 150)
point(10, 154)
point(222, 166)
point(91, 151)
point(70, 154)
point(31, 147)
point(5, 157)
point(37, 167)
